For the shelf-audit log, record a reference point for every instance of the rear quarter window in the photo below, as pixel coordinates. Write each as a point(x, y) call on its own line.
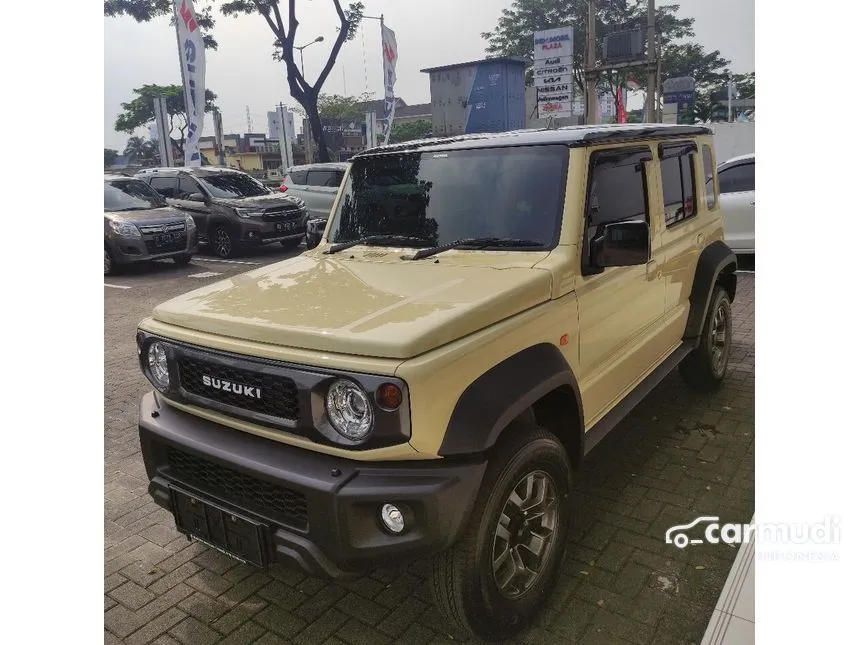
point(299, 177)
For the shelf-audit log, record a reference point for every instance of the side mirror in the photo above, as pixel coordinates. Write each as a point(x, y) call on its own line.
point(196, 197)
point(621, 244)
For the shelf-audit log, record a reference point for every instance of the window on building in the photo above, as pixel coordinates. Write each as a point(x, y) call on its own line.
point(677, 169)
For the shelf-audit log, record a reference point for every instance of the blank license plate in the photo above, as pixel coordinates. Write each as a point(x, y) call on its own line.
point(233, 535)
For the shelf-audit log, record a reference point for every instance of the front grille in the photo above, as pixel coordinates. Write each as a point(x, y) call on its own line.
point(275, 396)
point(154, 236)
point(265, 498)
point(282, 213)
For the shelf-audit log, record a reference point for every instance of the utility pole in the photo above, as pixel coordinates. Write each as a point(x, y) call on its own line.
point(651, 88)
point(590, 75)
point(729, 96)
point(659, 76)
point(248, 117)
point(219, 136)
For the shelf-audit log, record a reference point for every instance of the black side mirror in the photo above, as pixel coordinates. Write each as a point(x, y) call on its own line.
point(621, 244)
point(196, 197)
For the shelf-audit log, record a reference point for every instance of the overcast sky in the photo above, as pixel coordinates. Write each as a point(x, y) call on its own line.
point(429, 33)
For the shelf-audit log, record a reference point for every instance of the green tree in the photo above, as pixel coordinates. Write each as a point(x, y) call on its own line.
point(283, 27)
point(139, 149)
point(409, 131)
point(140, 110)
point(336, 106)
point(745, 84)
point(146, 10)
point(110, 156)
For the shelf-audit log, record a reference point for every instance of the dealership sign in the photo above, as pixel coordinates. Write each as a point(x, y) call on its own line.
point(553, 72)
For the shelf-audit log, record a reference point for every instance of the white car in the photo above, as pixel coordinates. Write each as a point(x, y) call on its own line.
point(737, 201)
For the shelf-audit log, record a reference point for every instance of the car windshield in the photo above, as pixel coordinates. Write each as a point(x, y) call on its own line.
point(232, 185)
point(131, 195)
point(441, 197)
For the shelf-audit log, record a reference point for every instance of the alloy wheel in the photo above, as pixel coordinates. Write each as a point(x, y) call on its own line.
point(525, 534)
point(719, 339)
point(223, 243)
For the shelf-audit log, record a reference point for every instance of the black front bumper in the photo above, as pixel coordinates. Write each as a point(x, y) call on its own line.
point(319, 512)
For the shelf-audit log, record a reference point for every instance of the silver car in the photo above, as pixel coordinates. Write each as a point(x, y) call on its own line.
point(317, 184)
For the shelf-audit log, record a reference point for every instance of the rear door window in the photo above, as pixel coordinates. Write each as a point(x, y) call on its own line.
point(299, 177)
point(167, 186)
point(319, 177)
point(738, 179)
point(677, 169)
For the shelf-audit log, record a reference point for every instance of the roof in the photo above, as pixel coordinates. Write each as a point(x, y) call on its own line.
point(188, 169)
point(498, 59)
point(748, 157)
point(335, 165)
point(422, 109)
point(573, 136)
point(112, 176)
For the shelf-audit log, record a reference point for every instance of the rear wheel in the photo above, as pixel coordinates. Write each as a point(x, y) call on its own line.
point(222, 242)
point(705, 367)
point(496, 577)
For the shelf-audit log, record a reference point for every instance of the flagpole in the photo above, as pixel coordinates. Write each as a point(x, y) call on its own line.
point(176, 19)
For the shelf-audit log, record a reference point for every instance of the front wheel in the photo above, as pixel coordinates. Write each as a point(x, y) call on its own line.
point(705, 367)
point(310, 243)
point(183, 259)
point(222, 243)
point(496, 577)
point(291, 244)
point(110, 265)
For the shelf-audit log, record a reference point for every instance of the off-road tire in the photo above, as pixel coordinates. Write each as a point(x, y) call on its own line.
point(183, 259)
point(703, 369)
point(222, 243)
point(291, 244)
point(310, 244)
point(462, 580)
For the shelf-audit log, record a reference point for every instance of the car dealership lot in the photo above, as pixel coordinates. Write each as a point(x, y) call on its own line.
point(680, 455)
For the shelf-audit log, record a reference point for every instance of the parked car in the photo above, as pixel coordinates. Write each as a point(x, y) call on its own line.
point(737, 201)
point(140, 226)
point(232, 209)
point(483, 310)
point(317, 184)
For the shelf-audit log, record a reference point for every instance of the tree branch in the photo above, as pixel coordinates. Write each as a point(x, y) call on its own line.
point(335, 50)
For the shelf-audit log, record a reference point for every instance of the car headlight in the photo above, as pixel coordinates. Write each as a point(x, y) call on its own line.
point(156, 360)
point(189, 222)
point(246, 213)
point(349, 410)
point(124, 229)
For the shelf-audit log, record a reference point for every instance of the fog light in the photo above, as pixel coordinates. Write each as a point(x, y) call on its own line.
point(392, 518)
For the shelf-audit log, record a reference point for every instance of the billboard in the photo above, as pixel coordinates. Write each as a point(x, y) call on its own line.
point(553, 72)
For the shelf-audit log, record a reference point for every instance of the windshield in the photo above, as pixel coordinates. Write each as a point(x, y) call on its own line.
point(131, 195)
point(442, 197)
point(232, 186)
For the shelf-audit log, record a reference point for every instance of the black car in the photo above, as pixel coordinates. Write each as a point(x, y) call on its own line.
point(231, 208)
point(140, 226)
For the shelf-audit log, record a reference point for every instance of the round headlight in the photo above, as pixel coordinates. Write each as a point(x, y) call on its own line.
point(349, 409)
point(392, 518)
point(156, 358)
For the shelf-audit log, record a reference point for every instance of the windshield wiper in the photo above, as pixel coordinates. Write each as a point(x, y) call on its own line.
point(476, 243)
point(377, 239)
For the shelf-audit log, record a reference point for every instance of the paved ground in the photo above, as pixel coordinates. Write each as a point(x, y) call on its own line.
point(678, 456)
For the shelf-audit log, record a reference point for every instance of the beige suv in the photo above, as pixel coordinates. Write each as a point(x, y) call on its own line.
point(481, 311)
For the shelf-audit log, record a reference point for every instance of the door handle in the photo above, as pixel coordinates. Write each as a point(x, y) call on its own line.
point(700, 238)
point(752, 203)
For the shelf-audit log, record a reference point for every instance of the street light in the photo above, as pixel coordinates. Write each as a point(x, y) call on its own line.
point(301, 49)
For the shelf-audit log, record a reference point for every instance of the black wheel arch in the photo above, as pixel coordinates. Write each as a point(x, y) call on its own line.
point(536, 380)
point(717, 265)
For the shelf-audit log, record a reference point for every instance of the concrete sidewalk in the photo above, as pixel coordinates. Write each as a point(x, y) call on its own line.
point(733, 620)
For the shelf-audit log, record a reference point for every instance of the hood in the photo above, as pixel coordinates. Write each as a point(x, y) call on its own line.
point(264, 202)
point(148, 216)
point(383, 309)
